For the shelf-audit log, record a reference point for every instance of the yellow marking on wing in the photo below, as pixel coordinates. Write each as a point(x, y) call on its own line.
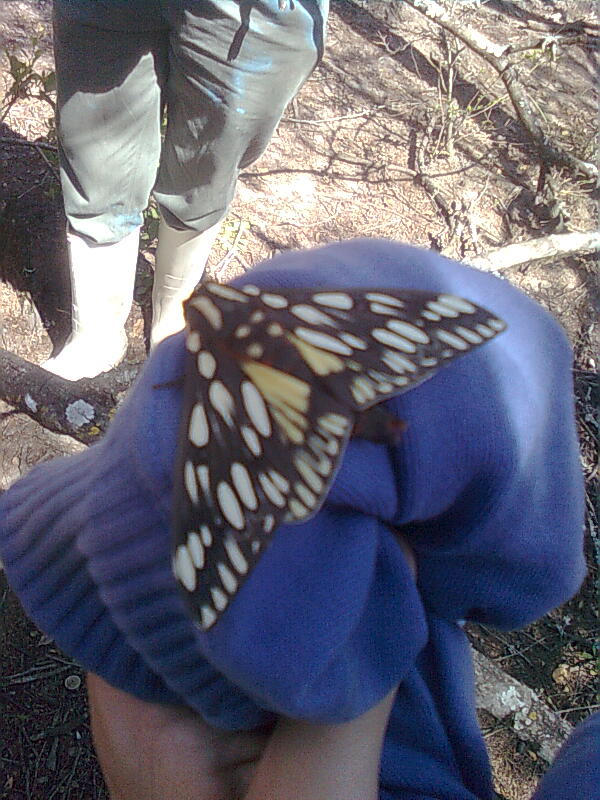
point(321, 362)
point(286, 396)
point(278, 387)
point(293, 432)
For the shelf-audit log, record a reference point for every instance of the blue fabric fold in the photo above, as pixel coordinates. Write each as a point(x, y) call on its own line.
point(485, 485)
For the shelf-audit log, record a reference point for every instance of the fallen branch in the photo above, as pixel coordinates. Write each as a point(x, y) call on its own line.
point(556, 245)
point(25, 143)
point(532, 720)
point(81, 409)
point(496, 56)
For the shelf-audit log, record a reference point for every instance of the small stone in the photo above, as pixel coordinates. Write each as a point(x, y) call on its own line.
point(72, 682)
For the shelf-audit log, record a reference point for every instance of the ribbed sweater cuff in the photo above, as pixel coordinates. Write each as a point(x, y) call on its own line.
point(40, 525)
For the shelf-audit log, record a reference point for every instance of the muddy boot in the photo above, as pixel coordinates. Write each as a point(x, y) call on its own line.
point(102, 278)
point(180, 260)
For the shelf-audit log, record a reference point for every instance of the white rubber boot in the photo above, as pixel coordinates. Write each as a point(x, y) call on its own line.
point(180, 260)
point(102, 278)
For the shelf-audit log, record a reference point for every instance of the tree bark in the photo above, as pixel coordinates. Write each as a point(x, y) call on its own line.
point(81, 409)
point(502, 696)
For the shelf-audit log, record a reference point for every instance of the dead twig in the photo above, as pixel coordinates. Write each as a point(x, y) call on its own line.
point(496, 56)
point(367, 112)
point(25, 143)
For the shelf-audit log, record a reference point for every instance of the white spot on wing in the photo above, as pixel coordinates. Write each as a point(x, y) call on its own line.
point(184, 569)
point(195, 549)
point(309, 475)
point(268, 524)
point(323, 340)
point(334, 423)
point(189, 481)
point(203, 474)
point(236, 557)
point(222, 401)
point(496, 324)
point(298, 509)
point(441, 309)
point(243, 485)
point(457, 303)
point(229, 505)
point(226, 292)
point(207, 617)
point(397, 362)
point(274, 329)
point(304, 493)
point(251, 290)
point(408, 330)
point(468, 334)
point(311, 314)
point(198, 427)
point(379, 297)
point(251, 439)
point(208, 310)
point(379, 308)
point(228, 579)
point(282, 483)
point(255, 350)
point(332, 447)
point(384, 336)
point(353, 341)
point(193, 342)
point(334, 300)
point(271, 491)
point(219, 598)
point(486, 332)
point(273, 300)
point(206, 535)
point(206, 364)
point(256, 408)
point(452, 340)
point(362, 390)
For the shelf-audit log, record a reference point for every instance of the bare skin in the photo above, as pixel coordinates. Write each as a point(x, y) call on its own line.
point(159, 752)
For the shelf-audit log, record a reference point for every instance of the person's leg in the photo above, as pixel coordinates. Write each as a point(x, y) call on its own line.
point(109, 100)
point(234, 66)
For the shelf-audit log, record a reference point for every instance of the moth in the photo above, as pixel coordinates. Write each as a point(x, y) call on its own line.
point(274, 381)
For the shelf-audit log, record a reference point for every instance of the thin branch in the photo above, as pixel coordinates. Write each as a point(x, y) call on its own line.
point(496, 56)
point(25, 143)
point(48, 163)
point(368, 112)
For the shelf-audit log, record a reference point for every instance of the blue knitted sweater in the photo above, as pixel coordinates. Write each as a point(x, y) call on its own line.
point(485, 485)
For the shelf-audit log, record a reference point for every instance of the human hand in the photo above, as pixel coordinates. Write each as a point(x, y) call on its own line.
point(157, 752)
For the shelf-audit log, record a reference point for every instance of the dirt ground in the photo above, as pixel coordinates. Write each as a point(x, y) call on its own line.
point(391, 100)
